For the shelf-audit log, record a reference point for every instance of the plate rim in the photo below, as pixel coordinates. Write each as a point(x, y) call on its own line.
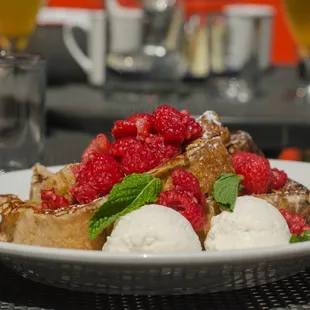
point(203, 257)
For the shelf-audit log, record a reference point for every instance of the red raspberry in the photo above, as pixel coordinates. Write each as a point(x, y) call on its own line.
point(296, 223)
point(202, 199)
point(184, 180)
point(96, 177)
point(194, 130)
point(52, 201)
point(124, 129)
point(138, 116)
point(76, 169)
point(143, 123)
point(186, 204)
point(84, 193)
point(278, 178)
point(168, 122)
point(256, 175)
point(240, 157)
point(164, 149)
point(185, 116)
point(139, 159)
point(99, 144)
point(120, 146)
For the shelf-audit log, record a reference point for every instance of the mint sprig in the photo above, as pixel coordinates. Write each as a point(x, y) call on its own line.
point(225, 190)
point(135, 191)
point(305, 236)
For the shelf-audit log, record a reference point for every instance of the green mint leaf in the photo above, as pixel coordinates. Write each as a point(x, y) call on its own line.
point(124, 193)
point(305, 236)
point(135, 191)
point(225, 190)
point(295, 238)
point(148, 195)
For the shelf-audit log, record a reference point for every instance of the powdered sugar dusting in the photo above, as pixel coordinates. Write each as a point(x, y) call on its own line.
point(211, 117)
point(206, 118)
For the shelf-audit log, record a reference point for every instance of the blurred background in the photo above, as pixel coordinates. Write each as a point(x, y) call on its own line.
point(246, 60)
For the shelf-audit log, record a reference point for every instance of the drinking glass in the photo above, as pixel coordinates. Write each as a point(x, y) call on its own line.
point(22, 110)
point(17, 21)
point(239, 40)
point(297, 12)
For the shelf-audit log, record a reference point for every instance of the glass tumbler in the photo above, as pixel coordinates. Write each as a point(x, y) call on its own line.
point(297, 15)
point(22, 110)
point(240, 41)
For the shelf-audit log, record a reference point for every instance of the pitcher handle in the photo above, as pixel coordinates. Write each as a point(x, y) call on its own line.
point(75, 50)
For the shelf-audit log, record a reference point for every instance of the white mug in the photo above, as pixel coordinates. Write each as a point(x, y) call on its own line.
point(241, 30)
point(126, 28)
point(93, 22)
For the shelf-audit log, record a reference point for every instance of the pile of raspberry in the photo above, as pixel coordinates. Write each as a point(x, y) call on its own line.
point(296, 223)
point(142, 142)
point(186, 197)
point(258, 176)
point(52, 201)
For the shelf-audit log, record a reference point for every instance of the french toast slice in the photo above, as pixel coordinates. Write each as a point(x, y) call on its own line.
point(206, 162)
point(23, 223)
point(293, 197)
point(212, 126)
point(61, 181)
point(241, 141)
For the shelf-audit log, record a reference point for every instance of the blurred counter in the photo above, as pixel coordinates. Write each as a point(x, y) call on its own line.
point(274, 119)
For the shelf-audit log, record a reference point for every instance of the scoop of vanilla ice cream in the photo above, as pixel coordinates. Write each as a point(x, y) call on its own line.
point(151, 229)
point(253, 223)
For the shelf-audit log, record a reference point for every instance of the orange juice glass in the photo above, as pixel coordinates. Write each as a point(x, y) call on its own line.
point(298, 13)
point(17, 21)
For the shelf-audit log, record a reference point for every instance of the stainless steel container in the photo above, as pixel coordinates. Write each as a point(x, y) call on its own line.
point(157, 63)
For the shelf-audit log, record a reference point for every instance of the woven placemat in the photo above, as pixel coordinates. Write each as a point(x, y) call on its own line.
point(291, 293)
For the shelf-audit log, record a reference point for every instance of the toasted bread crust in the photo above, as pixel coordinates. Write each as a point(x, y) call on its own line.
point(63, 228)
point(293, 197)
point(39, 175)
point(241, 141)
point(212, 127)
point(61, 181)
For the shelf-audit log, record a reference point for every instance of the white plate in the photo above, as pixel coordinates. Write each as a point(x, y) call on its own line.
point(154, 274)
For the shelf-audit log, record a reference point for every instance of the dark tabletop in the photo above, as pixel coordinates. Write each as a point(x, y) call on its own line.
point(274, 118)
point(274, 105)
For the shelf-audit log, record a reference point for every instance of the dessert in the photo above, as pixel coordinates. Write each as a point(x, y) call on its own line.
point(153, 228)
point(254, 223)
point(195, 167)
